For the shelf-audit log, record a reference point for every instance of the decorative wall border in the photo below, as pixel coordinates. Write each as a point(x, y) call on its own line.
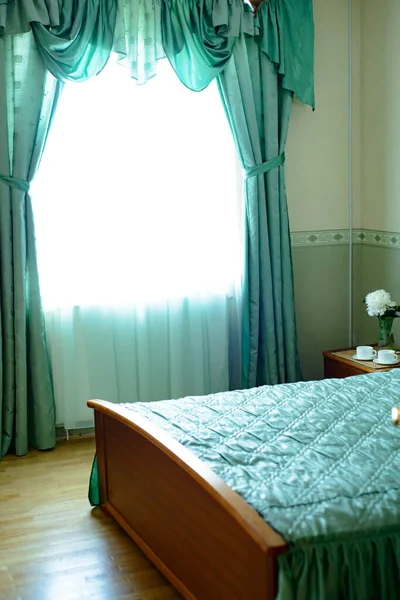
point(340, 237)
point(370, 237)
point(320, 238)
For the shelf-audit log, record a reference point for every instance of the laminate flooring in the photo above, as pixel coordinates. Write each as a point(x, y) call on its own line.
point(54, 546)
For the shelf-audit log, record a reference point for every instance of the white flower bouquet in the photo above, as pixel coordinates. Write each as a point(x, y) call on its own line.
point(380, 304)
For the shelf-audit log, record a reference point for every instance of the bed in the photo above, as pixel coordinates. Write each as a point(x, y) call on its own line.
point(279, 492)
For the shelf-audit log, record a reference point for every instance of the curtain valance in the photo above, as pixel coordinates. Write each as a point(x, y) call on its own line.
point(75, 37)
point(80, 45)
point(198, 37)
point(16, 16)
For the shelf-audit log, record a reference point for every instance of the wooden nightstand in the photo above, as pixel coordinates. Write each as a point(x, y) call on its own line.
point(339, 366)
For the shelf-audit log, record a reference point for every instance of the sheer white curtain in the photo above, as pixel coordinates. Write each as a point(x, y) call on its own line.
point(138, 226)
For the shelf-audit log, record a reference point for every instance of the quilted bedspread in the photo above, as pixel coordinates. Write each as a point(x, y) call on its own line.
point(311, 458)
point(319, 461)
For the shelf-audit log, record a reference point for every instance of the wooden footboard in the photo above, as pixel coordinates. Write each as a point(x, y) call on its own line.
point(206, 540)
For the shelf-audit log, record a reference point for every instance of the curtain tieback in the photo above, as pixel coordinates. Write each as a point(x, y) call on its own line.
point(19, 184)
point(266, 166)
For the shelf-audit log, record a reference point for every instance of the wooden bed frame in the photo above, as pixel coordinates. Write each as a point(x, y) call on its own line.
point(198, 532)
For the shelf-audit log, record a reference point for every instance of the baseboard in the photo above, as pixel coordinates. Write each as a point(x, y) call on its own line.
point(62, 433)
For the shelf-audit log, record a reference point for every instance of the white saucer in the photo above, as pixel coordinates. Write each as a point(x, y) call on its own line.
point(357, 358)
point(385, 363)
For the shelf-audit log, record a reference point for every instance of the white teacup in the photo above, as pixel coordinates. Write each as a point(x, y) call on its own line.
point(387, 356)
point(365, 352)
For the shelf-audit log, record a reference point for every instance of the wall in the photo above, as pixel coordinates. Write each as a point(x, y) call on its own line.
point(377, 268)
point(318, 178)
point(317, 165)
point(380, 85)
point(377, 262)
point(317, 184)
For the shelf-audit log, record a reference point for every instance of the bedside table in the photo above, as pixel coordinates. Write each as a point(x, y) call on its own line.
point(338, 365)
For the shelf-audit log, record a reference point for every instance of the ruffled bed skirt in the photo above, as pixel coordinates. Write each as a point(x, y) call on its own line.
point(353, 567)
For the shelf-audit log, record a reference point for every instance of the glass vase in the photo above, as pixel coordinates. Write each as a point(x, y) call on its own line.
point(386, 336)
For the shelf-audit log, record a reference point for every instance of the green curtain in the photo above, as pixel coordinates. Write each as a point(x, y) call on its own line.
point(72, 40)
point(258, 110)
point(28, 96)
point(260, 63)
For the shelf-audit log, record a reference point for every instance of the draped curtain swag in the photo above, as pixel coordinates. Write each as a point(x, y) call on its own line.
point(260, 61)
point(198, 37)
point(144, 31)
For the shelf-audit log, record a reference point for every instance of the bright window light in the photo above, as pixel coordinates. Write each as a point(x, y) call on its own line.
point(137, 198)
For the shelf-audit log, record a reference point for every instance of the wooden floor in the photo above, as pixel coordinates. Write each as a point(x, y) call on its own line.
point(53, 546)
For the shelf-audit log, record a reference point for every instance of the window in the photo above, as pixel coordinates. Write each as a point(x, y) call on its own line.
point(137, 196)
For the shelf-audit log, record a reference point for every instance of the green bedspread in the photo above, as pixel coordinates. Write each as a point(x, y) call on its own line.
point(320, 462)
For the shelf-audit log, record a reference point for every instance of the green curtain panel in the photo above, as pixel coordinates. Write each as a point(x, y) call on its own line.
point(28, 96)
point(258, 110)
